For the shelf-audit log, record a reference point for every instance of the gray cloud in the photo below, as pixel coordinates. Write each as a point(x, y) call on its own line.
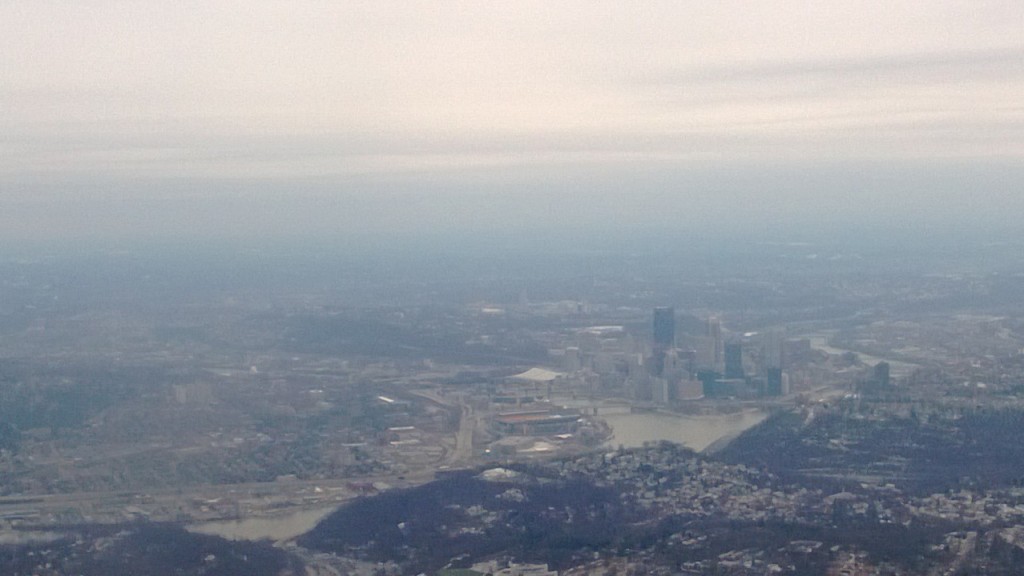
point(999, 64)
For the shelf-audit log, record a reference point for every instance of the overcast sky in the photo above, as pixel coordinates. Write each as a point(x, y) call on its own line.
point(275, 117)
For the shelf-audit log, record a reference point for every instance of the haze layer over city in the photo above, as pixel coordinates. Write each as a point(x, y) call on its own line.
point(523, 288)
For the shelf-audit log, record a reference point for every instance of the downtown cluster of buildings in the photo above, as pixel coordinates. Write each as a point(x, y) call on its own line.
point(678, 365)
point(721, 366)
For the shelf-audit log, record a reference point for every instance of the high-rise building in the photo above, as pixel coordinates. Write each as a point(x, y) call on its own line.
point(664, 327)
point(571, 361)
point(773, 382)
point(707, 379)
point(734, 360)
point(661, 391)
point(714, 332)
point(773, 355)
point(882, 374)
point(672, 368)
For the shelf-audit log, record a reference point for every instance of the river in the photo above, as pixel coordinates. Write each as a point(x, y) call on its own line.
point(898, 367)
point(277, 528)
point(694, 432)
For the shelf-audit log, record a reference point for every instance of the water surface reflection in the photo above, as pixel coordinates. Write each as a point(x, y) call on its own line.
point(695, 432)
point(283, 527)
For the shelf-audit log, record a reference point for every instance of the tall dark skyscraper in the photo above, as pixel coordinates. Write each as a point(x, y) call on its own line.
point(664, 327)
point(882, 374)
point(714, 332)
point(773, 342)
point(773, 382)
point(734, 360)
